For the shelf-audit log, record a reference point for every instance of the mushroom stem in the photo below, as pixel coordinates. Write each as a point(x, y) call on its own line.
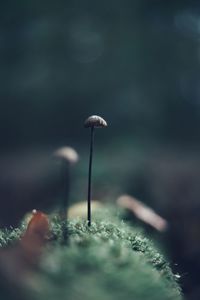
point(90, 175)
point(65, 173)
point(65, 186)
point(92, 122)
point(67, 156)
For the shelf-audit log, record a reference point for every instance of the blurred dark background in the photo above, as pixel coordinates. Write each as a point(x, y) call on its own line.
point(137, 64)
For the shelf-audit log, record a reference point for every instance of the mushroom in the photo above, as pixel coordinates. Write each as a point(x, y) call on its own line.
point(68, 157)
point(143, 212)
point(92, 122)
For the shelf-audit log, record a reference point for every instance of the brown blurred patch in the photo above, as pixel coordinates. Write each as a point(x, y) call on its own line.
point(142, 212)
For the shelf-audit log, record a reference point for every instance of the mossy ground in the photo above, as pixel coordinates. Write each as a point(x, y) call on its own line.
point(107, 261)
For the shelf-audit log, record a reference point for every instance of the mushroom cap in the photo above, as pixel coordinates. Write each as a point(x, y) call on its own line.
point(95, 121)
point(67, 153)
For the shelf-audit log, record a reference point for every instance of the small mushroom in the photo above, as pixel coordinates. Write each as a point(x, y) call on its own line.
point(143, 212)
point(92, 122)
point(68, 157)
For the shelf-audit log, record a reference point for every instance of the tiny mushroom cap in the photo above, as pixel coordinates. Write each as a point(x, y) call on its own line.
point(68, 154)
point(95, 121)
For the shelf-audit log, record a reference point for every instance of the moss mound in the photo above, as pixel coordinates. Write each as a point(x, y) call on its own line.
point(107, 261)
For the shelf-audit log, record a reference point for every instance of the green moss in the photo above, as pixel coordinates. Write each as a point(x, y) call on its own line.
point(107, 261)
point(9, 235)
